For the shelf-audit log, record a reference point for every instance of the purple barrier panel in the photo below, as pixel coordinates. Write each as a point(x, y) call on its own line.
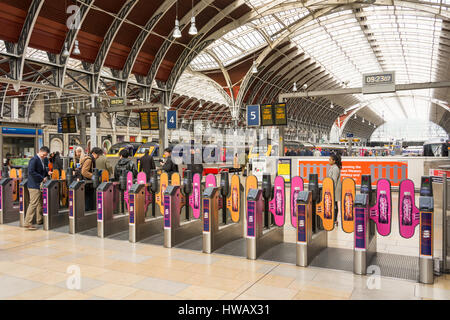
point(381, 212)
point(408, 213)
point(277, 205)
point(194, 198)
point(296, 187)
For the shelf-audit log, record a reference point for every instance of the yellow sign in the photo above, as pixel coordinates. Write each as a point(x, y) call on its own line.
point(117, 102)
point(145, 121)
point(154, 120)
point(280, 114)
point(284, 169)
point(267, 115)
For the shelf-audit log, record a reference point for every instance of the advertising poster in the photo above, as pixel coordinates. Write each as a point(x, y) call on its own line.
point(284, 169)
point(259, 166)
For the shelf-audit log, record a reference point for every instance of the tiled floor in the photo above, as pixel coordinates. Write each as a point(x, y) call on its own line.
point(44, 265)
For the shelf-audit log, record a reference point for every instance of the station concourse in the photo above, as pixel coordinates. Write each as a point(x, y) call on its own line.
point(224, 150)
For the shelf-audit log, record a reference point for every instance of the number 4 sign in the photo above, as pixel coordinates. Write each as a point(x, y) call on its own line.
point(253, 116)
point(171, 119)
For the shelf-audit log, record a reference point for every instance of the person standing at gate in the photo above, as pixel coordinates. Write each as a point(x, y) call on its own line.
point(37, 174)
point(334, 172)
point(147, 164)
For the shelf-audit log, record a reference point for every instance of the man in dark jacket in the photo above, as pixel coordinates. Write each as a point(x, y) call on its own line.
point(124, 164)
point(147, 163)
point(168, 165)
point(36, 175)
point(57, 162)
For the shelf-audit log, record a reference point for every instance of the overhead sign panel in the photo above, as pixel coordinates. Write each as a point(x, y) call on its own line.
point(154, 120)
point(117, 101)
point(267, 115)
point(253, 116)
point(171, 119)
point(378, 82)
point(280, 114)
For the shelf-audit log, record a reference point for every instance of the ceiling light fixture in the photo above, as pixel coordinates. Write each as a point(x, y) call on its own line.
point(255, 67)
point(76, 49)
point(176, 31)
point(66, 52)
point(331, 105)
point(294, 89)
point(193, 29)
point(305, 86)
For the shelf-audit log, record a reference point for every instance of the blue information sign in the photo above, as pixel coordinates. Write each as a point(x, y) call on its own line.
point(60, 129)
point(349, 135)
point(253, 116)
point(171, 119)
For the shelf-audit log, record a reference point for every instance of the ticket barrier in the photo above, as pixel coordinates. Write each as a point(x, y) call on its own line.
point(411, 216)
point(261, 237)
point(24, 197)
point(215, 233)
point(143, 222)
point(79, 219)
point(113, 216)
point(311, 236)
point(175, 231)
point(9, 210)
point(54, 216)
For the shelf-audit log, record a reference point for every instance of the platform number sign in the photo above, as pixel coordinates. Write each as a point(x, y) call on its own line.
point(253, 116)
point(171, 119)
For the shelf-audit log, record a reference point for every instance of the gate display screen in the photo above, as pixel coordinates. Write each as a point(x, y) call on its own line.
point(280, 114)
point(267, 115)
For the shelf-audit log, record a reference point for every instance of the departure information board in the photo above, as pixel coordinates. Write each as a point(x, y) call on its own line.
point(280, 114)
point(267, 115)
point(72, 124)
point(144, 120)
point(154, 120)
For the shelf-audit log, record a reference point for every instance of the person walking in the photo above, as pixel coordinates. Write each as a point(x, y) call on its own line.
point(57, 162)
point(124, 164)
point(102, 162)
point(334, 172)
point(147, 164)
point(168, 165)
point(37, 174)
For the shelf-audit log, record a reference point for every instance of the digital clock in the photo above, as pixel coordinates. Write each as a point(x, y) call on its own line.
point(378, 82)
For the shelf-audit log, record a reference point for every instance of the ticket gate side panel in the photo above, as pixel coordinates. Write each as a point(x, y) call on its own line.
point(24, 201)
point(53, 216)
point(79, 219)
point(348, 195)
point(297, 185)
point(8, 212)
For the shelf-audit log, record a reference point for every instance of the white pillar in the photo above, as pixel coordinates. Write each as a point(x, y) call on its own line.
point(93, 124)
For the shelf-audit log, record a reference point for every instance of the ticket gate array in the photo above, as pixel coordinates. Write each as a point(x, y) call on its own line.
point(261, 234)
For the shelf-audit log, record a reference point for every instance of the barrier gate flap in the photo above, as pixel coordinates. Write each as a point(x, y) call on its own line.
point(105, 176)
point(348, 205)
point(381, 212)
point(325, 209)
point(194, 198)
point(296, 187)
point(234, 200)
point(408, 213)
point(163, 183)
point(142, 179)
point(129, 185)
point(13, 175)
point(277, 204)
point(212, 182)
point(176, 181)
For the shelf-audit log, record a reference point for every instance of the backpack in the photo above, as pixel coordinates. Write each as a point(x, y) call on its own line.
point(77, 172)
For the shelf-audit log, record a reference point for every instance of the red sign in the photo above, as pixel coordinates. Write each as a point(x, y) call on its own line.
point(394, 171)
point(439, 173)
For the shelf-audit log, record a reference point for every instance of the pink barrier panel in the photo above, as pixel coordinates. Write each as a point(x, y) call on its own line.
point(210, 181)
point(129, 185)
point(194, 198)
point(381, 212)
point(408, 213)
point(296, 187)
point(277, 205)
point(142, 179)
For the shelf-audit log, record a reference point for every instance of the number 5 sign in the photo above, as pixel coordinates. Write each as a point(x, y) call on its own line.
point(253, 116)
point(171, 119)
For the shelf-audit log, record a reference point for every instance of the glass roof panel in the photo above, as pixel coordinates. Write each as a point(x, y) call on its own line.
point(199, 86)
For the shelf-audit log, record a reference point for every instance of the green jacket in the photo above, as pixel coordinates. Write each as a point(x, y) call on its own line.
point(102, 163)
